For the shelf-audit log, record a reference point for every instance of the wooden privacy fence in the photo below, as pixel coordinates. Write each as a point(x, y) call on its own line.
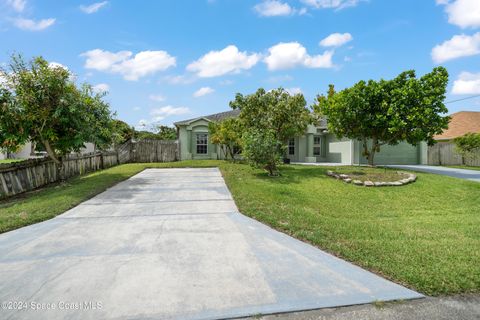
point(19, 177)
point(154, 151)
point(443, 153)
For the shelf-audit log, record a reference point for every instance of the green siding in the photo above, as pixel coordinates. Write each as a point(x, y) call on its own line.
point(403, 153)
point(338, 150)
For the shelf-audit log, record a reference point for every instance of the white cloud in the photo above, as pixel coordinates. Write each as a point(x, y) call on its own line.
point(218, 63)
point(101, 87)
point(294, 91)
point(459, 46)
point(203, 92)
point(130, 67)
point(462, 13)
point(156, 97)
point(54, 65)
point(93, 7)
point(336, 40)
point(17, 5)
point(271, 8)
point(136, 108)
point(163, 112)
point(32, 25)
point(293, 54)
point(331, 4)
point(467, 83)
point(180, 79)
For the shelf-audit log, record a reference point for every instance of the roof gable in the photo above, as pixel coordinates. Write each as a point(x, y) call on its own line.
point(216, 117)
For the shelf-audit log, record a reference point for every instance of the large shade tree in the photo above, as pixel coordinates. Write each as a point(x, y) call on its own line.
point(40, 102)
point(270, 117)
point(387, 112)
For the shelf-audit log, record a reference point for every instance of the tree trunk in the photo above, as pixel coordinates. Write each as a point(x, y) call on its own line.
point(370, 154)
point(370, 157)
point(53, 156)
point(374, 149)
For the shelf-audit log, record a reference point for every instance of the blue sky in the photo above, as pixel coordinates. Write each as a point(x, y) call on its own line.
point(163, 61)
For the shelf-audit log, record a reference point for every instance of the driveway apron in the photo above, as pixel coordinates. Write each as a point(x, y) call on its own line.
point(171, 244)
point(472, 175)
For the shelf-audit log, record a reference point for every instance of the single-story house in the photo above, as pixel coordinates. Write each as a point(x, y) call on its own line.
point(316, 145)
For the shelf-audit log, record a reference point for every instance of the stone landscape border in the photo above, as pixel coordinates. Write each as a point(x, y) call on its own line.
point(346, 178)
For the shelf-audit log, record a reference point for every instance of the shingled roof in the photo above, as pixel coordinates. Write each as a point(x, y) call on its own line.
point(216, 117)
point(461, 123)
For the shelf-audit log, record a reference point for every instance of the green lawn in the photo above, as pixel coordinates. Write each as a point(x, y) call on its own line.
point(425, 235)
point(371, 174)
point(465, 167)
point(10, 160)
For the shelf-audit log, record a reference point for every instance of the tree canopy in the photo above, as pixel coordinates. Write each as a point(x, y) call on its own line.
point(269, 120)
point(386, 112)
point(228, 135)
point(287, 115)
point(159, 132)
point(41, 103)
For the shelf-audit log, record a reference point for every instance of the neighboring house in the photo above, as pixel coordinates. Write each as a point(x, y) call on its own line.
point(28, 151)
point(316, 145)
point(444, 151)
point(461, 122)
point(24, 152)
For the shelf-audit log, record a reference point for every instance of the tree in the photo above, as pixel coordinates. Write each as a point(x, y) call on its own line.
point(228, 135)
point(468, 146)
point(159, 132)
point(277, 110)
point(122, 132)
point(101, 127)
point(387, 112)
point(41, 103)
point(166, 132)
point(271, 117)
point(261, 149)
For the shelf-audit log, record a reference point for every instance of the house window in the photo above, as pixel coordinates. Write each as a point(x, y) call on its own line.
point(291, 146)
point(202, 143)
point(317, 142)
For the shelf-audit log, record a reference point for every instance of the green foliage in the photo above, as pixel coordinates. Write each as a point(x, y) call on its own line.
point(286, 115)
point(42, 104)
point(388, 111)
point(160, 132)
point(270, 117)
point(468, 146)
point(122, 132)
point(228, 135)
point(166, 132)
point(260, 148)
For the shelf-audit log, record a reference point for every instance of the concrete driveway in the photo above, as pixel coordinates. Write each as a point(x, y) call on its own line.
point(472, 175)
point(170, 244)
